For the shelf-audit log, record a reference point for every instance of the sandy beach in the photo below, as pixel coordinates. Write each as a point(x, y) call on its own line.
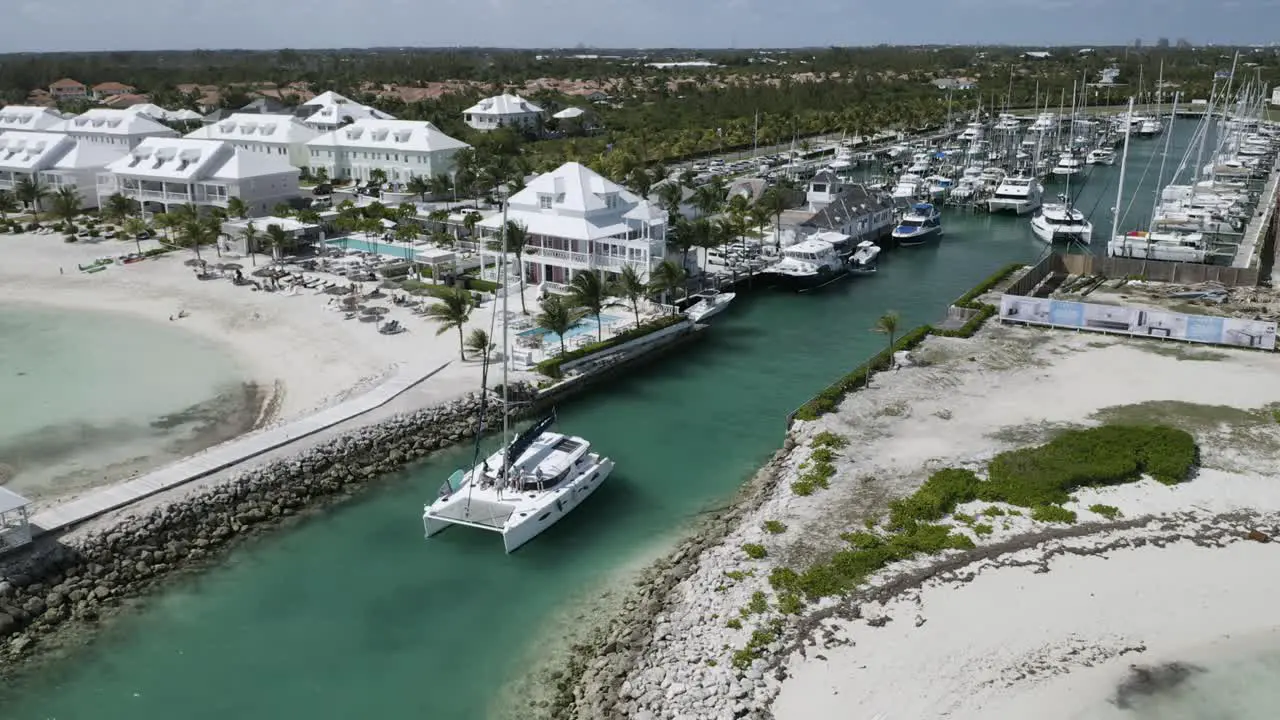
point(1040, 614)
point(303, 355)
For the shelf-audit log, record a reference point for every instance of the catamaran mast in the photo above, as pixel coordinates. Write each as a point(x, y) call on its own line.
point(506, 363)
point(1124, 161)
point(1164, 156)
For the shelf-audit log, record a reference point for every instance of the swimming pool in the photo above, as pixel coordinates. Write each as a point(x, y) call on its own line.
point(406, 252)
point(585, 326)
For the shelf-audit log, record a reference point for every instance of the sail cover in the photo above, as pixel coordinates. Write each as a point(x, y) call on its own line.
point(526, 438)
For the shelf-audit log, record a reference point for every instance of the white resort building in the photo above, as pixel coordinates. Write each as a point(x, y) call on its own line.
point(121, 130)
point(163, 172)
point(503, 111)
point(402, 149)
point(579, 220)
point(26, 118)
point(330, 111)
point(282, 135)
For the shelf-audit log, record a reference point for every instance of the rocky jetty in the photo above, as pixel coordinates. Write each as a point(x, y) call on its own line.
point(57, 584)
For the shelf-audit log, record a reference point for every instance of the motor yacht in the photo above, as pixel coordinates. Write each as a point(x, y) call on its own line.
point(1068, 165)
point(922, 223)
point(865, 257)
point(843, 160)
point(709, 304)
point(1019, 194)
point(808, 265)
point(973, 131)
point(1101, 156)
point(1059, 222)
point(907, 188)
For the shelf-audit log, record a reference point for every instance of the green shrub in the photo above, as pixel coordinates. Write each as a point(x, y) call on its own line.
point(758, 605)
point(551, 367)
point(481, 285)
point(862, 540)
point(993, 511)
point(822, 454)
point(1106, 455)
point(733, 624)
point(982, 529)
point(755, 551)
point(789, 603)
point(1053, 514)
point(827, 439)
point(1110, 512)
point(802, 487)
point(982, 288)
point(760, 639)
point(784, 579)
point(938, 496)
point(773, 527)
point(738, 575)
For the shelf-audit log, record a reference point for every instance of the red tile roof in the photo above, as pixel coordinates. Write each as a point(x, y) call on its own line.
point(66, 83)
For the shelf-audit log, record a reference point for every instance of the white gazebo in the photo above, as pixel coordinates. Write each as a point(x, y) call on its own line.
point(435, 258)
point(15, 525)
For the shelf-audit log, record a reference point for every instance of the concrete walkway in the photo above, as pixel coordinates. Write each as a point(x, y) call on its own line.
point(223, 456)
point(1247, 253)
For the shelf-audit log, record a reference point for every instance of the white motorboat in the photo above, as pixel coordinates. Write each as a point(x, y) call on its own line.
point(973, 131)
point(1018, 194)
point(1068, 165)
point(1168, 246)
point(907, 188)
point(527, 485)
point(920, 163)
point(808, 265)
point(1101, 156)
point(710, 303)
point(843, 160)
point(991, 177)
point(1147, 127)
point(865, 257)
point(522, 489)
point(1059, 222)
point(922, 223)
point(939, 186)
point(1007, 122)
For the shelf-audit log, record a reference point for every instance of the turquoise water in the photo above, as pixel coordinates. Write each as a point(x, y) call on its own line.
point(88, 394)
point(371, 246)
point(584, 326)
point(354, 614)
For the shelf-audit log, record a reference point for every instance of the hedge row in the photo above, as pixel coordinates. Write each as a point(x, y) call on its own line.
point(551, 367)
point(827, 400)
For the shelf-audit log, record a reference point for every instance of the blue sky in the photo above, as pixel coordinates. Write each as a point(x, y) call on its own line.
point(30, 25)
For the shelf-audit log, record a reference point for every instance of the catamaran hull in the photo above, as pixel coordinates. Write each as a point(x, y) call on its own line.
point(1007, 205)
point(520, 530)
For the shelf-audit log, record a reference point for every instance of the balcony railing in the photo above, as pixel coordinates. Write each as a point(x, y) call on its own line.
point(586, 260)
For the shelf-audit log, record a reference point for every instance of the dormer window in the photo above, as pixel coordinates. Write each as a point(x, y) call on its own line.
point(819, 187)
point(544, 202)
point(611, 200)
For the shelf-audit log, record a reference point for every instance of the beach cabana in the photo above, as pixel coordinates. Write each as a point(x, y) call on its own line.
point(435, 258)
point(15, 525)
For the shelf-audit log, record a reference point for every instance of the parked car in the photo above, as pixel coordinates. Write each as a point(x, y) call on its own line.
point(322, 189)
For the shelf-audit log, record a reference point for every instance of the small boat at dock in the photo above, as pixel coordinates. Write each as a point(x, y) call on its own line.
point(709, 304)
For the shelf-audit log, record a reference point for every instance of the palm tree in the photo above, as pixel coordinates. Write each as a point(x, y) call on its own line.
point(478, 342)
point(517, 241)
point(8, 204)
point(774, 202)
point(441, 186)
point(117, 207)
point(671, 195)
point(453, 311)
point(419, 186)
point(237, 208)
point(668, 277)
point(196, 232)
point(165, 222)
point(31, 192)
point(588, 292)
point(888, 325)
point(134, 227)
point(378, 177)
point(708, 200)
point(632, 288)
point(406, 232)
point(66, 203)
point(557, 316)
point(282, 210)
point(251, 242)
point(277, 238)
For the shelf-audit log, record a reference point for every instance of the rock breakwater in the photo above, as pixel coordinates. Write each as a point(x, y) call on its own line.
point(56, 586)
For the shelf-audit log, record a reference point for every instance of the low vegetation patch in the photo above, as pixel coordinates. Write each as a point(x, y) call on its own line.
point(773, 527)
point(755, 551)
point(1110, 512)
point(760, 639)
point(1038, 478)
point(827, 400)
point(817, 471)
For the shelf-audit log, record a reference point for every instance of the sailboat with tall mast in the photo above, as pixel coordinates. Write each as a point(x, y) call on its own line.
point(530, 483)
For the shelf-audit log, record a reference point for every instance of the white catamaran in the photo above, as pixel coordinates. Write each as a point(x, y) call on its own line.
point(528, 484)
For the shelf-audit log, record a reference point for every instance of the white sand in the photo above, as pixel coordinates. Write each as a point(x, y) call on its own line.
point(973, 399)
point(292, 339)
